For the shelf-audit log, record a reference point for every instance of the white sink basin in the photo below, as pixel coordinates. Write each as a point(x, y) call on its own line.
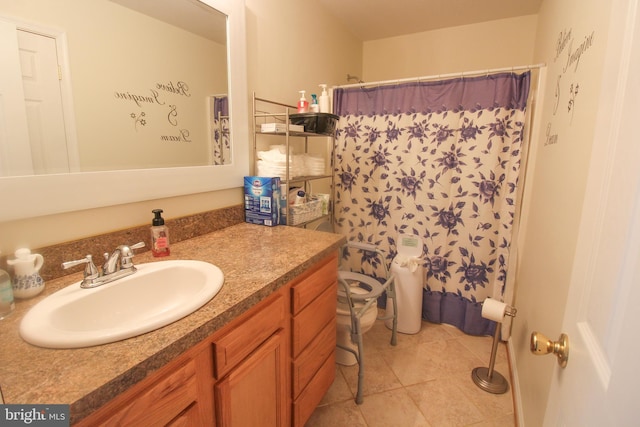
point(159, 293)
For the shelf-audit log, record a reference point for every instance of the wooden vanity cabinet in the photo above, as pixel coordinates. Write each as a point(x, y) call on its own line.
point(313, 337)
point(180, 393)
point(268, 367)
point(251, 367)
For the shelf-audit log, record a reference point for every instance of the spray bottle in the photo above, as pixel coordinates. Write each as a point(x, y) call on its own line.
point(314, 104)
point(303, 104)
point(324, 100)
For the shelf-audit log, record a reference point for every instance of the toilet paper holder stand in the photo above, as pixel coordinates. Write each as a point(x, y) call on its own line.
point(487, 378)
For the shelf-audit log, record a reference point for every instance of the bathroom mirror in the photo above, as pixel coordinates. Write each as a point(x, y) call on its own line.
point(36, 195)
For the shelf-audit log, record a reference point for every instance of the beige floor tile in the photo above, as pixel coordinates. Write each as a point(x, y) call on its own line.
point(379, 336)
point(339, 390)
point(455, 357)
point(392, 409)
point(339, 414)
point(443, 403)
point(427, 361)
point(415, 364)
point(505, 421)
point(430, 371)
point(378, 376)
point(491, 405)
point(481, 347)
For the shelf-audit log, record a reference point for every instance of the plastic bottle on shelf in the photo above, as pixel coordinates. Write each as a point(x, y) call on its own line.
point(303, 104)
point(315, 108)
point(6, 295)
point(301, 197)
point(324, 104)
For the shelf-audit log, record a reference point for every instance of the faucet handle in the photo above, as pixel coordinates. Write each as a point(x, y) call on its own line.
point(90, 270)
point(126, 253)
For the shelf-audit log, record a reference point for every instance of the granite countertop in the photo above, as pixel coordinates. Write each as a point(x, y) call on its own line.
point(255, 260)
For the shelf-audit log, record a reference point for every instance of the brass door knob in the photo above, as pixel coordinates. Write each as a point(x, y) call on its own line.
point(541, 345)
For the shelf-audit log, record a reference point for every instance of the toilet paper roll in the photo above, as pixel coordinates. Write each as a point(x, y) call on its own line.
point(493, 309)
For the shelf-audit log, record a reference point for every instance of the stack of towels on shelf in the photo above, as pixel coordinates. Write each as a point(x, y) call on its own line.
point(272, 163)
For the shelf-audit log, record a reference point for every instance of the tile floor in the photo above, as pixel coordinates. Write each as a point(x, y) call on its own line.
point(423, 381)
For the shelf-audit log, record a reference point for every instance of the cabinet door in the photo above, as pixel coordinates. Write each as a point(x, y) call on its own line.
point(254, 393)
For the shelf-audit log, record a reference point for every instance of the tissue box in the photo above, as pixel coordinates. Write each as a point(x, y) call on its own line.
point(262, 200)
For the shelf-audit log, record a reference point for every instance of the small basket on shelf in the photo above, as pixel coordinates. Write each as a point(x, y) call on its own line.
point(305, 212)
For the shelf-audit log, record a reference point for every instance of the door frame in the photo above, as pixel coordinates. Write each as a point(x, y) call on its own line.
point(66, 92)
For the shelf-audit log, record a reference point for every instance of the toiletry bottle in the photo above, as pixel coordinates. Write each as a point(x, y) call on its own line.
point(324, 100)
point(300, 197)
point(6, 295)
point(315, 108)
point(27, 281)
point(159, 235)
point(303, 104)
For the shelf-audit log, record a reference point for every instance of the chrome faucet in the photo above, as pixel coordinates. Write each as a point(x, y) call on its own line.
point(118, 264)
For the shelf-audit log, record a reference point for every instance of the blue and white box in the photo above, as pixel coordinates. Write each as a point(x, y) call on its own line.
point(262, 200)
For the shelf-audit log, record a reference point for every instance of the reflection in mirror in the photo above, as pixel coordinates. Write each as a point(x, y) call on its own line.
point(36, 195)
point(132, 85)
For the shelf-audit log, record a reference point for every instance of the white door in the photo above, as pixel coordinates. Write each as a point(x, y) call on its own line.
point(599, 385)
point(33, 136)
point(15, 151)
point(41, 81)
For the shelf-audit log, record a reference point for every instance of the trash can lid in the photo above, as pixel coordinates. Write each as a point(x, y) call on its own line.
point(409, 245)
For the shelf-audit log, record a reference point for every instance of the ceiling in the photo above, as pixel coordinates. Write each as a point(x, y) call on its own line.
point(185, 14)
point(377, 19)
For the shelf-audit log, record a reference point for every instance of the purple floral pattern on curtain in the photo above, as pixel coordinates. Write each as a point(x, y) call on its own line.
point(440, 160)
point(220, 135)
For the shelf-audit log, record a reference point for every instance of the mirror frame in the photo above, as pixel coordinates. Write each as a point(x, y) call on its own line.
point(38, 195)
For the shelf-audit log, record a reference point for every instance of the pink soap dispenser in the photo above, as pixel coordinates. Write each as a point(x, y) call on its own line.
point(303, 104)
point(159, 235)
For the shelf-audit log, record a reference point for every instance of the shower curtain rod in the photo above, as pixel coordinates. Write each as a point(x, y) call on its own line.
point(441, 76)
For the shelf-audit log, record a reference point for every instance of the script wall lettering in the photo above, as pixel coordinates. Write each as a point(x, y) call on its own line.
point(156, 105)
point(569, 50)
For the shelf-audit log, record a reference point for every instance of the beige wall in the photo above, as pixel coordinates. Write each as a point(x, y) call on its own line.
point(552, 213)
point(296, 45)
point(292, 45)
point(494, 44)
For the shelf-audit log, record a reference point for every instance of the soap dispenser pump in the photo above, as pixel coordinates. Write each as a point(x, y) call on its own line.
point(159, 235)
point(303, 104)
point(323, 101)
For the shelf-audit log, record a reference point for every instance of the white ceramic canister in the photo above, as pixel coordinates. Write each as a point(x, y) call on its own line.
point(27, 282)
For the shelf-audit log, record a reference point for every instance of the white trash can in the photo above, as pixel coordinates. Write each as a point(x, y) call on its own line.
point(409, 275)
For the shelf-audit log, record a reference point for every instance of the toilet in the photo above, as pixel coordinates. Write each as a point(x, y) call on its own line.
point(343, 328)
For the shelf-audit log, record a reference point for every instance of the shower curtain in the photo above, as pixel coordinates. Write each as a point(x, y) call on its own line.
point(220, 136)
point(440, 160)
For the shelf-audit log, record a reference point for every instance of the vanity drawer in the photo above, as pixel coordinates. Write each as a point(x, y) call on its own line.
point(305, 291)
point(161, 402)
point(310, 321)
point(247, 333)
point(311, 359)
point(311, 396)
